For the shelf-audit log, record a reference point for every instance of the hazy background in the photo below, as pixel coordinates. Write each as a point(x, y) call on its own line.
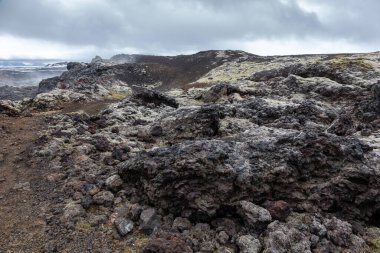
point(28, 72)
point(80, 29)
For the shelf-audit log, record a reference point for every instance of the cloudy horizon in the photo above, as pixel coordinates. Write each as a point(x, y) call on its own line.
point(81, 29)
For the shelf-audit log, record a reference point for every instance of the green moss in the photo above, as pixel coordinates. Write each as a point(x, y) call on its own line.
point(83, 227)
point(137, 246)
point(358, 64)
point(375, 243)
point(118, 95)
point(129, 251)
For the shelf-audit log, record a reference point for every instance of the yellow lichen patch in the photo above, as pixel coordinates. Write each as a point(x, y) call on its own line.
point(141, 242)
point(83, 227)
point(129, 251)
point(375, 244)
point(359, 64)
point(236, 71)
point(118, 95)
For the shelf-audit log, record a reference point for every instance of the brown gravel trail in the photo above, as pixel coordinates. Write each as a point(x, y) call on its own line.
point(24, 188)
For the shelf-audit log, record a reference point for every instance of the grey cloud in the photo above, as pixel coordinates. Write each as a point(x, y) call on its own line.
point(144, 24)
point(169, 25)
point(351, 19)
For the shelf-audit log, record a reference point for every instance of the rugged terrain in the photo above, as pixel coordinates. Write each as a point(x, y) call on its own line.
point(221, 151)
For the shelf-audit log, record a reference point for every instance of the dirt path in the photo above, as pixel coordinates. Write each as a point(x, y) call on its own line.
point(22, 230)
point(24, 189)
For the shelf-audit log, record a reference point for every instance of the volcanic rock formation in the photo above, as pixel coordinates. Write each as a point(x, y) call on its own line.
point(221, 151)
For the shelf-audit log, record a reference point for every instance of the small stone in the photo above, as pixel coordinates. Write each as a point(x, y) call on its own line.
point(72, 210)
point(135, 211)
point(314, 240)
point(18, 159)
point(148, 214)
point(114, 182)
point(108, 160)
point(150, 221)
point(207, 246)
point(339, 232)
point(104, 198)
point(117, 200)
point(90, 189)
point(254, 215)
point(77, 195)
point(181, 224)
point(225, 224)
point(366, 132)
point(135, 150)
point(121, 153)
point(2, 157)
point(156, 131)
point(2, 179)
point(279, 210)
point(202, 232)
point(95, 220)
point(223, 237)
point(115, 130)
point(318, 229)
point(248, 244)
point(284, 237)
point(123, 226)
point(55, 177)
point(22, 186)
point(101, 143)
point(225, 250)
point(86, 201)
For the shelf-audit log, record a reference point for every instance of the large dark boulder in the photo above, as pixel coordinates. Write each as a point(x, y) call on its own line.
point(192, 123)
point(376, 96)
point(48, 84)
point(206, 177)
point(147, 96)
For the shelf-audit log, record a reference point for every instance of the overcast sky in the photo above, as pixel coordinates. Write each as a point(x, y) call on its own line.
point(81, 29)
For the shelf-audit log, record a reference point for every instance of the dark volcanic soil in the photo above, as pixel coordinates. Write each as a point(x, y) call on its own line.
point(25, 189)
point(21, 185)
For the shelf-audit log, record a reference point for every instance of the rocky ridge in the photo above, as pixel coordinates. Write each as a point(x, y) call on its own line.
point(247, 154)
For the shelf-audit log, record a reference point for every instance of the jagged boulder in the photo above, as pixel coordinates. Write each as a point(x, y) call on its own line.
point(49, 84)
point(376, 97)
point(10, 108)
point(191, 123)
point(218, 91)
point(147, 96)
